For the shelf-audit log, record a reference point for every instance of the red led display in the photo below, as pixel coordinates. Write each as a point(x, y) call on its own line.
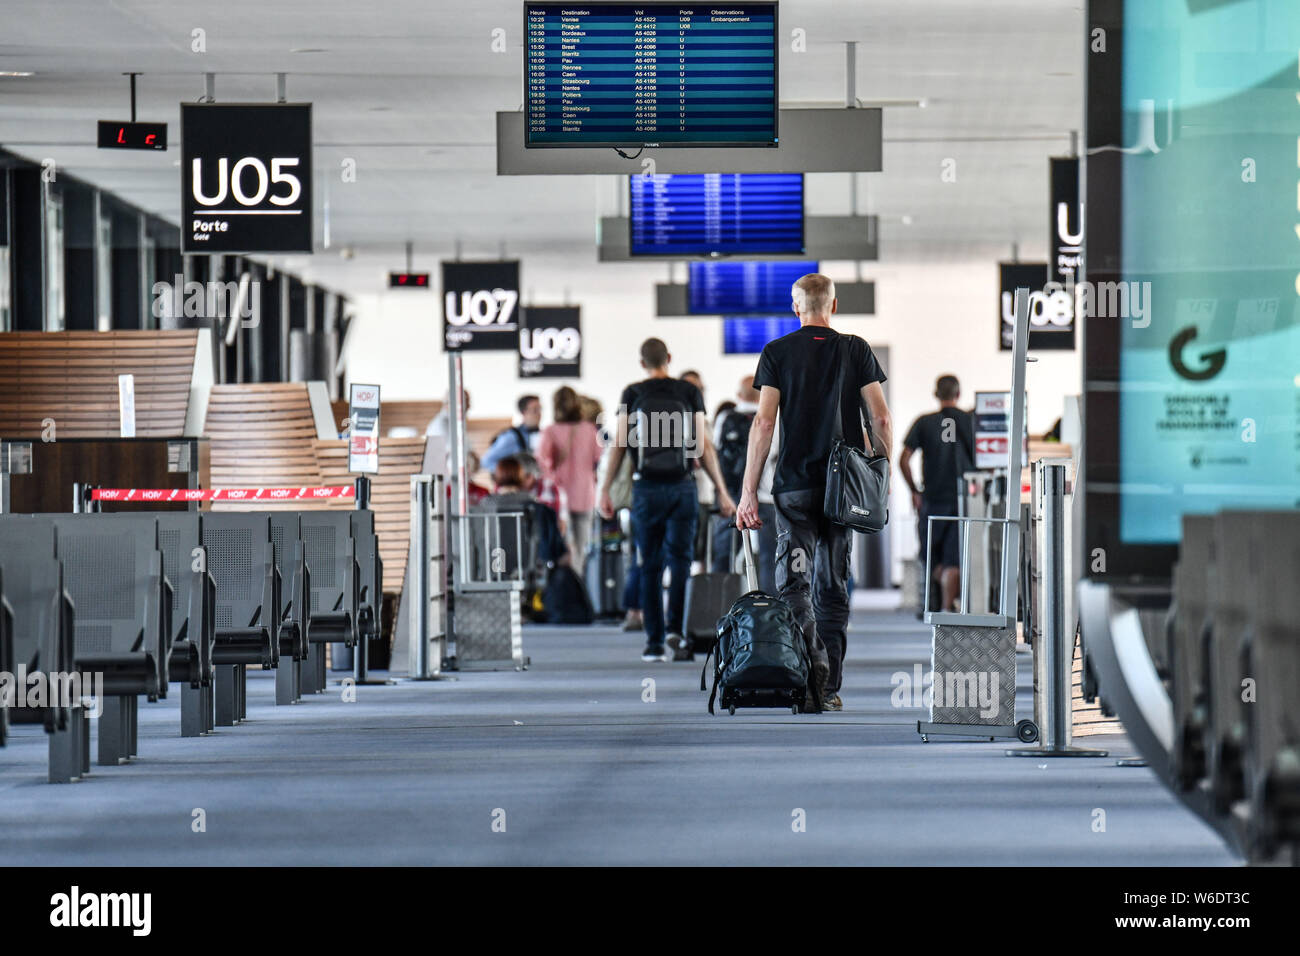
point(408, 280)
point(132, 135)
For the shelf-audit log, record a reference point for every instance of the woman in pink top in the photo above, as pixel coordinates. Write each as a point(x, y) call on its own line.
point(569, 453)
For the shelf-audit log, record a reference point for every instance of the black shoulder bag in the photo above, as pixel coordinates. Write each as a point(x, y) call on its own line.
point(857, 482)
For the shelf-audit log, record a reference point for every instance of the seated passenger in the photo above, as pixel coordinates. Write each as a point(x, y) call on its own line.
point(516, 487)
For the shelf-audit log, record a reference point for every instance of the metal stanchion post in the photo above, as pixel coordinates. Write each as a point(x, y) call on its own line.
point(361, 656)
point(1057, 640)
point(419, 577)
point(427, 500)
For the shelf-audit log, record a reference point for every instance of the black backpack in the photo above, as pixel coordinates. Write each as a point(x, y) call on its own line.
point(565, 598)
point(660, 428)
point(733, 449)
point(761, 659)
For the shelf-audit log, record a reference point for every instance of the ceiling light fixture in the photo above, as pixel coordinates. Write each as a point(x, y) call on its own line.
point(308, 49)
point(16, 73)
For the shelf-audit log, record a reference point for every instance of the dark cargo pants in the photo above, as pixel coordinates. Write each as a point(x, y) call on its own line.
point(812, 573)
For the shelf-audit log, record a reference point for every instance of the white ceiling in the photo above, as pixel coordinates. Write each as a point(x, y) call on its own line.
point(408, 89)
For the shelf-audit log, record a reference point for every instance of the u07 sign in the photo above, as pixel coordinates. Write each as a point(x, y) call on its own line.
point(550, 342)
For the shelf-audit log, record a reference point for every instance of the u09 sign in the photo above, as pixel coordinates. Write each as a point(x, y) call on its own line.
point(550, 342)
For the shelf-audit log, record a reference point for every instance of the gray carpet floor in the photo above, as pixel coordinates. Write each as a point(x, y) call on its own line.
point(566, 763)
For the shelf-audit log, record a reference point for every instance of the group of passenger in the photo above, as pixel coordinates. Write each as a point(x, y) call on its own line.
point(687, 490)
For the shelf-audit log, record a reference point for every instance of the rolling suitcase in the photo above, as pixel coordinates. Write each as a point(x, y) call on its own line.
point(604, 571)
point(761, 659)
point(709, 596)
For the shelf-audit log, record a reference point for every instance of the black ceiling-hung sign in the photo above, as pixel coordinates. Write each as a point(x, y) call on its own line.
point(550, 341)
point(246, 178)
point(480, 306)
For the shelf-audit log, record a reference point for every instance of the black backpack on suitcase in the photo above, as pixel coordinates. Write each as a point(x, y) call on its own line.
point(761, 659)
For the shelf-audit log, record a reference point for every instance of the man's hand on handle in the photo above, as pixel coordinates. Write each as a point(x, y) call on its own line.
point(606, 504)
point(747, 511)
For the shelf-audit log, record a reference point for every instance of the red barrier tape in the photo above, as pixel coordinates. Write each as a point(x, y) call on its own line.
point(218, 494)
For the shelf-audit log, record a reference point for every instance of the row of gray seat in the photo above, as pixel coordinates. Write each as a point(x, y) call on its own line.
point(1232, 665)
point(143, 600)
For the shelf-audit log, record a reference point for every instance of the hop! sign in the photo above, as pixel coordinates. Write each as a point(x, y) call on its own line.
point(219, 494)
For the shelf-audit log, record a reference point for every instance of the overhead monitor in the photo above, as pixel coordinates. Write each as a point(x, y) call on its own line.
point(746, 335)
point(743, 288)
point(650, 74)
point(716, 214)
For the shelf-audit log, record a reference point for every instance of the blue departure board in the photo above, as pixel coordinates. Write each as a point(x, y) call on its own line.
point(716, 214)
point(743, 288)
point(650, 74)
point(747, 335)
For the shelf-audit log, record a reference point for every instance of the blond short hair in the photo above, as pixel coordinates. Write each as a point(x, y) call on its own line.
point(813, 294)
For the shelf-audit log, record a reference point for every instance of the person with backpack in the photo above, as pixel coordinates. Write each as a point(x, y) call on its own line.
point(946, 441)
point(517, 438)
point(661, 421)
point(820, 381)
point(731, 438)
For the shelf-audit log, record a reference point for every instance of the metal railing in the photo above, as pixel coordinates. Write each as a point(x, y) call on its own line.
point(485, 564)
point(1005, 613)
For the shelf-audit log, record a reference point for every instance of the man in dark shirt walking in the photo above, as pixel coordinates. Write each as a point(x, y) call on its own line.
point(661, 420)
point(946, 440)
point(813, 376)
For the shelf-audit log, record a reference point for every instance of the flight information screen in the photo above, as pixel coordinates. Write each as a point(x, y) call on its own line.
point(653, 74)
point(716, 214)
point(747, 336)
point(743, 288)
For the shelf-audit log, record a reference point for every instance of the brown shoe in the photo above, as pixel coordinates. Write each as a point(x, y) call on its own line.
point(833, 703)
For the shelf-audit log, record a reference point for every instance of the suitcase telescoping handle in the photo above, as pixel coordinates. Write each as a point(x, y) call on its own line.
point(751, 567)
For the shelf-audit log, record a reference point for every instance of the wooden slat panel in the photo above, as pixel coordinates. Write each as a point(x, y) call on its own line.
point(390, 496)
point(71, 377)
point(1087, 719)
point(261, 435)
point(401, 414)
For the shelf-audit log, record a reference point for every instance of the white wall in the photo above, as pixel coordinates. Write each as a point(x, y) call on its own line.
point(936, 317)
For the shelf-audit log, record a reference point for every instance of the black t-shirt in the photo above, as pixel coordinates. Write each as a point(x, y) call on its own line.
point(673, 388)
point(943, 461)
point(802, 366)
point(681, 390)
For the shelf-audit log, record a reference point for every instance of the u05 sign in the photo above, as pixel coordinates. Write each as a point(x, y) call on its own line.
point(246, 178)
point(550, 342)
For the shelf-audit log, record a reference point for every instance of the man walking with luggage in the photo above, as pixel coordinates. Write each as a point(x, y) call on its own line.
point(662, 421)
point(798, 375)
point(946, 440)
point(731, 438)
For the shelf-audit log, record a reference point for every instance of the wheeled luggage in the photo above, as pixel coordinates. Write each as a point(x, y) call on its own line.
point(760, 659)
point(605, 570)
point(709, 595)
